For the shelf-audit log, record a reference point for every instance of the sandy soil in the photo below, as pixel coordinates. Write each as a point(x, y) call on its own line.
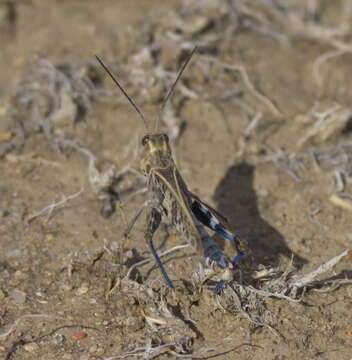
point(267, 142)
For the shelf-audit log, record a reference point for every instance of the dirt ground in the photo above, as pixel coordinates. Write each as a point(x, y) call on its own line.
point(260, 124)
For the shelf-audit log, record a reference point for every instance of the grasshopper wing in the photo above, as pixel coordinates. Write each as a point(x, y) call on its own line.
point(211, 218)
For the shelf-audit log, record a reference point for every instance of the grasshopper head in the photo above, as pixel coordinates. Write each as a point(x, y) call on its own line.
point(156, 152)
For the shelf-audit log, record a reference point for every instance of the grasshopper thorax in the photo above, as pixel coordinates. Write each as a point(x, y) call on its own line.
point(156, 152)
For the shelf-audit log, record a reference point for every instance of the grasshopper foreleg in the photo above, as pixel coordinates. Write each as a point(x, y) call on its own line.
point(153, 222)
point(136, 216)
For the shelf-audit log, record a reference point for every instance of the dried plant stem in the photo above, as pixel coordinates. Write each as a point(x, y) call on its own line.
point(241, 69)
point(305, 280)
point(265, 293)
point(147, 352)
point(341, 203)
point(320, 60)
point(52, 207)
point(146, 261)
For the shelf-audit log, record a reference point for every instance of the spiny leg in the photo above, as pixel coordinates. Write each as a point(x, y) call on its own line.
point(134, 219)
point(130, 226)
point(153, 222)
point(207, 218)
point(212, 252)
point(136, 216)
point(213, 255)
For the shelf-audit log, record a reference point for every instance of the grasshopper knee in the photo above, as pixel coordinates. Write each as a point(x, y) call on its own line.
point(153, 221)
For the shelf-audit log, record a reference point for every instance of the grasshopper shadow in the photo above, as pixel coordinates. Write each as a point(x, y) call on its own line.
point(237, 200)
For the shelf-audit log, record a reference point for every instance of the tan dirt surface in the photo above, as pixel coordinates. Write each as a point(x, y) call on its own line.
point(261, 130)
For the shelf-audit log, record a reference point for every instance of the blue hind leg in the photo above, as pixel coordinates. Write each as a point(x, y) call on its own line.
point(160, 265)
point(210, 218)
point(207, 218)
point(153, 222)
point(235, 261)
point(237, 258)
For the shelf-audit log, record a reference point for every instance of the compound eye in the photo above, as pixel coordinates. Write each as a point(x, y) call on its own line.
point(166, 138)
point(145, 139)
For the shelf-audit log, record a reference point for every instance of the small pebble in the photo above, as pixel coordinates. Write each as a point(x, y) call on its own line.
point(100, 351)
point(129, 254)
point(93, 348)
point(58, 338)
point(79, 335)
point(49, 237)
point(83, 289)
point(134, 323)
point(18, 296)
point(19, 274)
point(31, 347)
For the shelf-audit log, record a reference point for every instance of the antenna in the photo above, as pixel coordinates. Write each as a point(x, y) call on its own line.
point(123, 90)
point(171, 90)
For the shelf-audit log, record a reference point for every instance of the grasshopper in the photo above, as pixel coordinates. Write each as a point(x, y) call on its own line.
point(170, 198)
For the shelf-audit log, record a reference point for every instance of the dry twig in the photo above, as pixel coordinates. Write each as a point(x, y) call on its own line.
point(54, 206)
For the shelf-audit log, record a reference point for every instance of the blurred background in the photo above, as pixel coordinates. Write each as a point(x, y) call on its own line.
point(260, 124)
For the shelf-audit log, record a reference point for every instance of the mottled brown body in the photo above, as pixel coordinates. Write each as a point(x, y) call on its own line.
point(170, 199)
